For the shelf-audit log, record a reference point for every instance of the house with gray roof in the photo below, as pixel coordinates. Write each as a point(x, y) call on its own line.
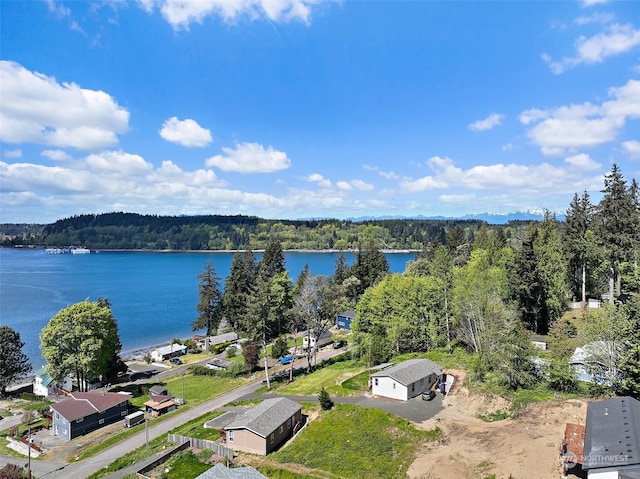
point(220, 471)
point(84, 412)
point(612, 439)
point(406, 380)
point(263, 428)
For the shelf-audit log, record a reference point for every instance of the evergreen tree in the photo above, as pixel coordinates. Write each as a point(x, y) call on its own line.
point(342, 270)
point(210, 304)
point(237, 289)
point(370, 266)
point(325, 400)
point(578, 241)
point(630, 357)
point(616, 225)
point(272, 262)
point(14, 364)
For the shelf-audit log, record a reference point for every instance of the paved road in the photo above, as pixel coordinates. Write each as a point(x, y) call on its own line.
point(78, 470)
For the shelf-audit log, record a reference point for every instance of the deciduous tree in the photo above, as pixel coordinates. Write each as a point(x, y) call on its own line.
point(79, 341)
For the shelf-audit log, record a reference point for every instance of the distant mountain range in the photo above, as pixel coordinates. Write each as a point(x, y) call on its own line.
point(489, 218)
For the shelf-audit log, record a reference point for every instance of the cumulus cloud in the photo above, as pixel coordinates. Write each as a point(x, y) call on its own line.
point(583, 161)
point(354, 185)
point(488, 123)
point(532, 179)
point(632, 148)
point(597, 17)
point(250, 158)
point(588, 3)
point(615, 40)
point(585, 125)
point(389, 175)
point(56, 155)
point(319, 179)
point(180, 14)
point(17, 153)
point(185, 132)
point(37, 109)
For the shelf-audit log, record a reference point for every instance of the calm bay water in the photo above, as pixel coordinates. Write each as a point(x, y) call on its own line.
point(153, 295)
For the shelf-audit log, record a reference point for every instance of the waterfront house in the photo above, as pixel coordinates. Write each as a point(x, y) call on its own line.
point(166, 352)
point(263, 428)
point(85, 412)
point(159, 404)
point(406, 380)
point(43, 384)
point(344, 319)
point(612, 439)
point(211, 341)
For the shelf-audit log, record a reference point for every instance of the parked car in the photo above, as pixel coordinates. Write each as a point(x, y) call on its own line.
point(428, 395)
point(286, 360)
point(175, 360)
point(339, 344)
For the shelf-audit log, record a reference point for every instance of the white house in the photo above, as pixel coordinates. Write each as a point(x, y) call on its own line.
point(166, 352)
point(406, 380)
point(612, 439)
point(310, 339)
point(592, 362)
point(43, 384)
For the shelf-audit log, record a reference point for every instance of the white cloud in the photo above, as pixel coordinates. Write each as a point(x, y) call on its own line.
point(57, 8)
point(531, 179)
point(632, 148)
point(17, 153)
point(586, 125)
point(180, 14)
point(583, 161)
point(56, 155)
point(507, 147)
point(185, 132)
point(597, 17)
point(588, 3)
point(488, 123)
point(389, 175)
point(250, 158)
point(319, 179)
point(458, 199)
point(354, 185)
point(119, 163)
point(37, 109)
point(617, 39)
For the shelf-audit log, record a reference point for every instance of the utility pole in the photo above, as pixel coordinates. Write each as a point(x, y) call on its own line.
point(29, 453)
point(183, 388)
point(146, 429)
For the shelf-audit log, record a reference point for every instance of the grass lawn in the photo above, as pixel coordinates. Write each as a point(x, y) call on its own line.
point(349, 441)
point(185, 465)
point(330, 377)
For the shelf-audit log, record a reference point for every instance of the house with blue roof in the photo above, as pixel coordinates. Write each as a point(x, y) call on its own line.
point(44, 385)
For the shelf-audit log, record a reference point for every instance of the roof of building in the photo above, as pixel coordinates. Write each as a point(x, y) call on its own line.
point(172, 348)
point(222, 338)
point(348, 314)
point(220, 471)
point(612, 433)
point(267, 416)
point(45, 379)
point(157, 389)
point(408, 372)
point(84, 404)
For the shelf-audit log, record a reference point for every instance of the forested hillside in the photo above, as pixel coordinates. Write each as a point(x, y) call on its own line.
point(134, 231)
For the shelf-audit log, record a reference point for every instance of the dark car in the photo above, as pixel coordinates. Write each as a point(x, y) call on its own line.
point(175, 360)
point(428, 395)
point(339, 344)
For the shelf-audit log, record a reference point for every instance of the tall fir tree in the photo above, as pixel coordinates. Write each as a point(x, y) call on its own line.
point(237, 289)
point(209, 306)
point(579, 241)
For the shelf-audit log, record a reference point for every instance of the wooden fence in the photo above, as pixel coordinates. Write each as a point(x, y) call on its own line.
point(202, 444)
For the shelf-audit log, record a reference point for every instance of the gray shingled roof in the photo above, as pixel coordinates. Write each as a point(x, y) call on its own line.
point(220, 471)
point(612, 433)
point(410, 371)
point(266, 417)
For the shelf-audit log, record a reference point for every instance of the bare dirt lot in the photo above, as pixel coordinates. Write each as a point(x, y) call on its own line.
point(525, 448)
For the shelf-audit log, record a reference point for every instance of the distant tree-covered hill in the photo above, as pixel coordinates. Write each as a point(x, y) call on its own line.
point(215, 232)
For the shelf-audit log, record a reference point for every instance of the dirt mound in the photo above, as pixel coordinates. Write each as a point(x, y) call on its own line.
point(525, 447)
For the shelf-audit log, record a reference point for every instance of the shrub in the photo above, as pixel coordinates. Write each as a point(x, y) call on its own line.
point(325, 400)
point(11, 471)
point(279, 348)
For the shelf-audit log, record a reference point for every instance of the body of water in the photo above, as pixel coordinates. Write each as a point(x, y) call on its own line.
point(153, 294)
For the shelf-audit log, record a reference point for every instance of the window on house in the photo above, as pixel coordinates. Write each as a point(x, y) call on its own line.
point(394, 385)
point(123, 413)
point(413, 387)
point(281, 429)
point(375, 381)
point(80, 419)
point(289, 422)
point(272, 437)
point(101, 421)
point(57, 416)
point(230, 436)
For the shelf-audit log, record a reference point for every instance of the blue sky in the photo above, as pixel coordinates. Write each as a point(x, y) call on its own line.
point(295, 109)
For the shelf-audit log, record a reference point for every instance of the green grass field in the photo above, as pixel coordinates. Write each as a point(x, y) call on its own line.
point(349, 441)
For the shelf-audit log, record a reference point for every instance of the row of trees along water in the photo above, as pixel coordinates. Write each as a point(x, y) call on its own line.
point(484, 291)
